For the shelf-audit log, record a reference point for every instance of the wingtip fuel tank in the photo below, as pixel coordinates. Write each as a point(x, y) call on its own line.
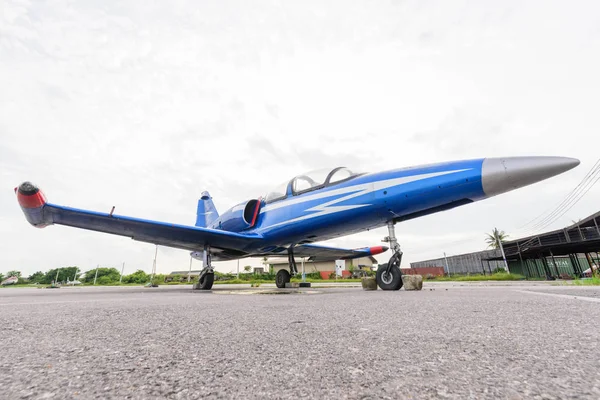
point(500, 175)
point(32, 201)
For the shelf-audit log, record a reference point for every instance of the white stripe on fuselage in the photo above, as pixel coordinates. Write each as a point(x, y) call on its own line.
point(354, 191)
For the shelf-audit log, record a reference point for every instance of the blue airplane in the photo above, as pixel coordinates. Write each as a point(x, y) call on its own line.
point(311, 207)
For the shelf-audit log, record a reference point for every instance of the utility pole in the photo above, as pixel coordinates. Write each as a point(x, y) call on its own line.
point(446, 260)
point(56, 279)
point(75, 277)
point(122, 268)
point(96, 276)
point(238, 269)
point(501, 250)
point(190, 271)
point(154, 266)
point(303, 274)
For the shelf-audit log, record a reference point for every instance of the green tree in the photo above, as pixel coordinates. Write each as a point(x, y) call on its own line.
point(37, 277)
point(112, 275)
point(13, 273)
point(495, 238)
point(64, 274)
point(247, 268)
point(138, 276)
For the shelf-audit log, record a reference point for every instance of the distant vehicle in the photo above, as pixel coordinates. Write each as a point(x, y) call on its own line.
point(312, 207)
point(588, 272)
point(10, 281)
point(73, 283)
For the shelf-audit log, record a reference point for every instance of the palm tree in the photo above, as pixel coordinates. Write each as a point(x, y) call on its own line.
point(495, 238)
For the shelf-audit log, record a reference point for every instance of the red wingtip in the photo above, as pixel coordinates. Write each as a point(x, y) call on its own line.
point(377, 250)
point(30, 196)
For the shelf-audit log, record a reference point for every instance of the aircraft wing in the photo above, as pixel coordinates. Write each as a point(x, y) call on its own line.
point(315, 252)
point(155, 232)
point(40, 213)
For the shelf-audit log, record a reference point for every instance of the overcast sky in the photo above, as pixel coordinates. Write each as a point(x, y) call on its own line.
point(143, 105)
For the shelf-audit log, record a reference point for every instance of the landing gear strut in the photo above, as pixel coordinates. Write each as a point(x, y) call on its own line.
point(207, 275)
point(390, 276)
point(284, 276)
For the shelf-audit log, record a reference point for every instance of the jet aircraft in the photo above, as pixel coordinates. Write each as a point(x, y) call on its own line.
point(313, 207)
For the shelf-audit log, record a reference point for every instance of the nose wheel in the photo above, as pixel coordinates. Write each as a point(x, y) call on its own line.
point(389, 277)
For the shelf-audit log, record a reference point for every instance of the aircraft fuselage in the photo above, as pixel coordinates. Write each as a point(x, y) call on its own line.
point(372, 200)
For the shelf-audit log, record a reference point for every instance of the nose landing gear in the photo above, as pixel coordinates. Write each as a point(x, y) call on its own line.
point(390, 277)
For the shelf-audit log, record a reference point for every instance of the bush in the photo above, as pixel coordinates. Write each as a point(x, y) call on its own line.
point(219, 276)
point(138, 276)
point(105, 280)
point(64, 273)
point(112, 275)
point(313, 275)
point(267, 276)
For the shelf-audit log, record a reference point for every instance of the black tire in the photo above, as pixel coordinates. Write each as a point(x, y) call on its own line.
point(393, 280)
point(206, 281)
point(282, 277)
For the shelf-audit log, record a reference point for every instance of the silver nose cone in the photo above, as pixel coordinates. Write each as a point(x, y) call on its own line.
point(499, 175)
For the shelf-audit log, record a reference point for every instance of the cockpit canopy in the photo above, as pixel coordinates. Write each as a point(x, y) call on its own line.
point(310, 181)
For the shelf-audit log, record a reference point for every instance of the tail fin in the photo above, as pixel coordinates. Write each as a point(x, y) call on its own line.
point(207, 213)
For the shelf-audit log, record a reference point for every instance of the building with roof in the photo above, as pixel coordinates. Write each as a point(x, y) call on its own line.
point(480, 262)
point(569, 251)
point(183, 275)
point(324, 266)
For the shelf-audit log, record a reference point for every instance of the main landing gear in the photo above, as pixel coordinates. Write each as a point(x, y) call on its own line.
point(283, 276)
point(390, 277)
point(207, 275)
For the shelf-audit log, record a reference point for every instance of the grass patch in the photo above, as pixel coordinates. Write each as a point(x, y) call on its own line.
point(595, 281)
point(475, 278)
point(311, 280)
point(233, 282)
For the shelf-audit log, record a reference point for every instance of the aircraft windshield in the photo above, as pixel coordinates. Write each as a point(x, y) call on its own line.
point(278, 193)
point(310, 181)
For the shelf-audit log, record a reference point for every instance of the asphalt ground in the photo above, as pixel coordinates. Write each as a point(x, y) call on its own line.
point(447, 341)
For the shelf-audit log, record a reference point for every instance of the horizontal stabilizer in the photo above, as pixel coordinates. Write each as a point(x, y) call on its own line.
point(315, 252)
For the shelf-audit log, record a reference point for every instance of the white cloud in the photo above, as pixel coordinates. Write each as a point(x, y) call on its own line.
point(143, 106)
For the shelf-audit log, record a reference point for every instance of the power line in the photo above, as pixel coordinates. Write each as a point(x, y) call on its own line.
point(576, 201)
point(569, 195)
point(574, 195)
point(579, 191)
